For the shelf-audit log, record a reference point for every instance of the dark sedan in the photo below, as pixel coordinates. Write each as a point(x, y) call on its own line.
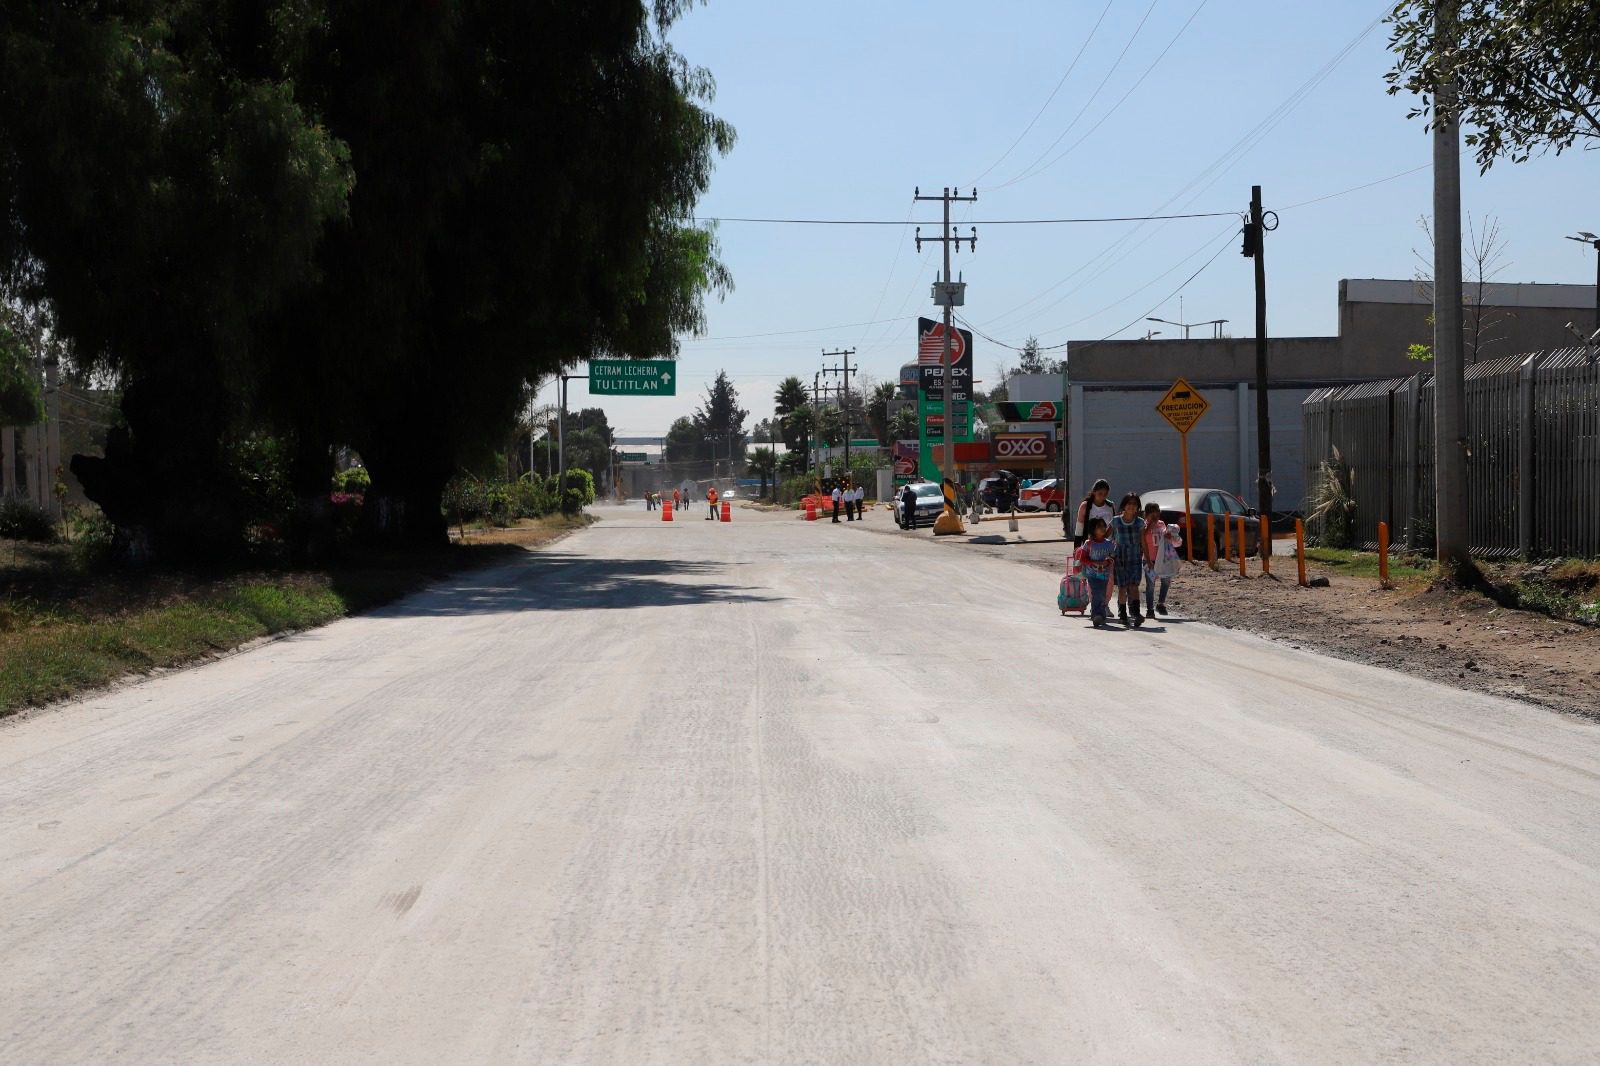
point(1215, 502)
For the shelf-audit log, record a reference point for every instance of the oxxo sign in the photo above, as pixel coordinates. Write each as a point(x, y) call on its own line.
point(1022, 449)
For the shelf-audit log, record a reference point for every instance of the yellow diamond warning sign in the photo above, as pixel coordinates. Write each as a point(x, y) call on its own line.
point(1182, 406)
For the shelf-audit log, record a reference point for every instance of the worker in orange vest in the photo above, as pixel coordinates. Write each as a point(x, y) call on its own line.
point(711, 498)
point(677, 500)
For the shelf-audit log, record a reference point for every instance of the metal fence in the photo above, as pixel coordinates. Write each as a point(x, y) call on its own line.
point(1533, 454)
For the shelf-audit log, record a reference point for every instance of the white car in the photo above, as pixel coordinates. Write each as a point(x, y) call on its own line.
point(1037, 496)
point(930, 501)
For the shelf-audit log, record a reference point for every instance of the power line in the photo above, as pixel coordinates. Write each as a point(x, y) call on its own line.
point(1216, 170)
point(1092, 96)
point(1130, 325)
point(1042, 107)
point(977, 222)
point(1031, 173)
point(1358, 188)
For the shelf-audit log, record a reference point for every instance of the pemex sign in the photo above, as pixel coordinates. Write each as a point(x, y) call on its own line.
point(633, 377)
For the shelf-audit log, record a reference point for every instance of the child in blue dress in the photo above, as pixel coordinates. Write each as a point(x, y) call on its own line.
point(1096, 557)
point(1127, 531)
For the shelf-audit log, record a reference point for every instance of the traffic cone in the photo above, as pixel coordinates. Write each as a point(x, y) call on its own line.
point(727, 511)
point(811, 508)
point(666, 510)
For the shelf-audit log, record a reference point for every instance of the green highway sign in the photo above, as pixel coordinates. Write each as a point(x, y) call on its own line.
point(635, 457)
point(633, 377)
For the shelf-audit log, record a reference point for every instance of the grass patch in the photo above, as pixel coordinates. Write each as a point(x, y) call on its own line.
point(1567, 589)
point(65, 631)
point(1354, 563)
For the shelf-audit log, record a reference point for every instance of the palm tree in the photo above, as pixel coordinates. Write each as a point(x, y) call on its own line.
point(787, 402)
point(764, 461)
point(904, 425)
point(878, 410)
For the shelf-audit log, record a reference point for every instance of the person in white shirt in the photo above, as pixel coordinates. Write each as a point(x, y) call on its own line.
point(838, 497)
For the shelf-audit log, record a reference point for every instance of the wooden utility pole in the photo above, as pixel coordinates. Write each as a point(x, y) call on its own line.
point(951, 521)
point(1449, 389)
point(1255, 244)
point(844, 395)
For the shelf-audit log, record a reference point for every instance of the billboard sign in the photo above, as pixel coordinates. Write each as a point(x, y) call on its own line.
point(1023, 449)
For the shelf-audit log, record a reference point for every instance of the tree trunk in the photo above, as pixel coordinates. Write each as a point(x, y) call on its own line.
point(404, 506)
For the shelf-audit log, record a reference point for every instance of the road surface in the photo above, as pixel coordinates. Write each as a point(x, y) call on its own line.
point(772, 792)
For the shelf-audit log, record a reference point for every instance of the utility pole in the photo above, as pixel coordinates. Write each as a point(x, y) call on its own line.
point(1255, 246)
point(844, 402)
point(947, 237)
point(816, 407)
point(1454, 545)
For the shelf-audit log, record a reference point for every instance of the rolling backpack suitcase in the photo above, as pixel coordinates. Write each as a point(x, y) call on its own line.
point(1074, 593)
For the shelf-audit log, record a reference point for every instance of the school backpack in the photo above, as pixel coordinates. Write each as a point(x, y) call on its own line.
point(1074, 592)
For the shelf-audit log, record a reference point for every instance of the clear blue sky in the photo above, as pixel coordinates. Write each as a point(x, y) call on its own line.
point(843, 107)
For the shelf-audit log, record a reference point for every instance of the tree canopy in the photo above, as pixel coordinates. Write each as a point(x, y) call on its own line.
point(375, 225)
point(1528, 72)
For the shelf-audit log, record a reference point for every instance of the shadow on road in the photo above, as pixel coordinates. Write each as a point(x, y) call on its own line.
point(553, 581)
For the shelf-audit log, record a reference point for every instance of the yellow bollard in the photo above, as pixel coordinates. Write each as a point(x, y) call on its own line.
point(1211, 540)
point(1240, 542)
point(1383, 554)
point(1300, 548)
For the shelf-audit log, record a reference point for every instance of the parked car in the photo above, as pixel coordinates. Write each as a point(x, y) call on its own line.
point(930, 501)
point(1045, 494)
point(1203, 502)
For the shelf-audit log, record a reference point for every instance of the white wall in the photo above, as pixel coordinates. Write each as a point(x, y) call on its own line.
point(1119, 436)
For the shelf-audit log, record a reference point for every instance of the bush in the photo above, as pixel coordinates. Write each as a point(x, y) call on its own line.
point(93, 536)
point(355, 481)
point(580, 491)
point(21, 520)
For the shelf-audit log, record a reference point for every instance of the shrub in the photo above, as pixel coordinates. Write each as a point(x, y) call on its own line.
point(93, 536)
point(355, 481)
point(21, 520)
point(1333, 503)
point(580, 491)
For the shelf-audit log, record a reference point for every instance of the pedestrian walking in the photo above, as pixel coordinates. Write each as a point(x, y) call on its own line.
point(1095, 505)
point(1096, 556)
point(1127, 530)
point(838, 498)
point(1161, 544)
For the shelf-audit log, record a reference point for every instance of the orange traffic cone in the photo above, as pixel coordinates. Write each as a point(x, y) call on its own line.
point(727, 511)
point(666, 510)
point(811, 508)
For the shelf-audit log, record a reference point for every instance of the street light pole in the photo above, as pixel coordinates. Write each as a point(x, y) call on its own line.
point(1585, 237)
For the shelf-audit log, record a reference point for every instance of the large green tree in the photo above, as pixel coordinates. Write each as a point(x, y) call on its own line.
point(720, 418)
point(1528, 72)
point(161, 188)
point(526, 179)
point(878, 410)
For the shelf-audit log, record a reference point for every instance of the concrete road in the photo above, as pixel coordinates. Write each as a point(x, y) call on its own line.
point(776, 792)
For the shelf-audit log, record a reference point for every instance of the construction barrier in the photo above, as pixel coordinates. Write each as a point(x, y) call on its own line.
point(811, 509)
point(727, 511)
point(666, 510)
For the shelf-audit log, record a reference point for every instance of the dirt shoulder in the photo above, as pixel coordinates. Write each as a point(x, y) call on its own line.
point(1459, 639)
